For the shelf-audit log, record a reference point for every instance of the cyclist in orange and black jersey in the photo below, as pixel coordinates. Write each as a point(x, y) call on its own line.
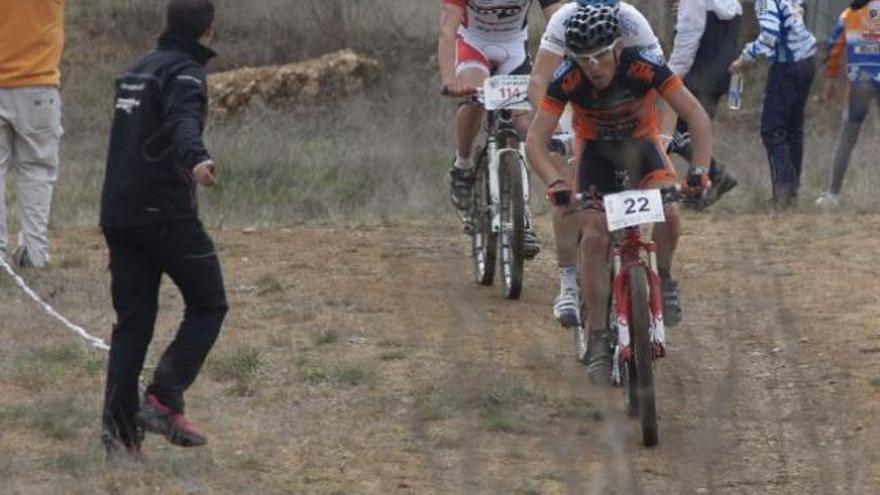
point(619, 117)
point(613, 91)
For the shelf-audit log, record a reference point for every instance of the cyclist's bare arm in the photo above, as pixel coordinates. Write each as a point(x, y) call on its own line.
point(450, 20)
point(539, 134)
point(668, 119)
point(547, 59)
point(686, 105)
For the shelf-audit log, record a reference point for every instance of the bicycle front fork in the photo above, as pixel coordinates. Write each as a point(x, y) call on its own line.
point(621, 318)
point(494, 181)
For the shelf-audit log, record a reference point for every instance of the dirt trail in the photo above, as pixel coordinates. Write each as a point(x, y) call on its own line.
point(768, 387)
point(387, 370)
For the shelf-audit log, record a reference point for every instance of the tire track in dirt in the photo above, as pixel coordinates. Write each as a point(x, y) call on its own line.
point(467, 348)
point(454, 352)
point(782, 332)
point(860, 469)
point(506, 341)
point(708, 449)
point(711, 362)
point(832, 459)
point(768, 412)
point(611, 457)
point(498, 351)
point(741, 411)
point(742, 312)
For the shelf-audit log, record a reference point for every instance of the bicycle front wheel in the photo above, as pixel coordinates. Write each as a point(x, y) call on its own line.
point(511, 241)
point(483, 240)
point(643, 354)
point(626, 367)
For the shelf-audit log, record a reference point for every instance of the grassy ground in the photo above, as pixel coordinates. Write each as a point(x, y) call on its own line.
point(370, 156)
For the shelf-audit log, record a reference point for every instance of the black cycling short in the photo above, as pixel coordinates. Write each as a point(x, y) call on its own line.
point(619, 165)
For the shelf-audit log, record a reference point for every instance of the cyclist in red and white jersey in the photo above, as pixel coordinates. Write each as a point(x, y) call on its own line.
point(479, 38)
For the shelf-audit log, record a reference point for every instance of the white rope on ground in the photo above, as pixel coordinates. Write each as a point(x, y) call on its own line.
point(92, 340)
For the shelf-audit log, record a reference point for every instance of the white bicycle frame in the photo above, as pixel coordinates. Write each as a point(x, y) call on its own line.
point(505, 93)
point(495, 155)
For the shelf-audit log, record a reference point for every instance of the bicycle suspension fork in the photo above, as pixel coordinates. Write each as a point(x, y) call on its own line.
point(618, 316)
point(658, 328)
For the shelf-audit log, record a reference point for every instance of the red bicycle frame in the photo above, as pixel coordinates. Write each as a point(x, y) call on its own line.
point(626, 252)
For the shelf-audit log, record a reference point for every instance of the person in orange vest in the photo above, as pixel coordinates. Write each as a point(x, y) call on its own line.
point(31, 42)
point(858, 36)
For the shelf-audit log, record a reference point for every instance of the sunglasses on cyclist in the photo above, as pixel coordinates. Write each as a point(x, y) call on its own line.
point(594, 58)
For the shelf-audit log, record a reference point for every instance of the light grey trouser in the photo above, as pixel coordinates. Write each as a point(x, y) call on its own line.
point(30, 131)
point(854, 113)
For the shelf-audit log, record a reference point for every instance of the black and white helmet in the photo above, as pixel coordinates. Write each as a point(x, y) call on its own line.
point(592, 27)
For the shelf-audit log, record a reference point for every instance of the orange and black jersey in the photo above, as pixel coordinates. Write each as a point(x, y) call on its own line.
point(626, 109)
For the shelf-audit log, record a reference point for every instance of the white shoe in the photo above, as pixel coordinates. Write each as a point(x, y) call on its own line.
point(566, 309)
point(828, 200)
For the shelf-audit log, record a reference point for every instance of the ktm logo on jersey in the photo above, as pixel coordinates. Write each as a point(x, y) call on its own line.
point(641, 71)
point(571, 81)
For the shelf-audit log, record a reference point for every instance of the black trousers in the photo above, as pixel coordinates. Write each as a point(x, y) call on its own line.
point(139, 256)
point(782, 123)
point(709, 101)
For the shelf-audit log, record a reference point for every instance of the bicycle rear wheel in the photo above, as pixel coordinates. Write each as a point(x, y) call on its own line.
point(511, 241)
point(643, 354)
point(483, 241)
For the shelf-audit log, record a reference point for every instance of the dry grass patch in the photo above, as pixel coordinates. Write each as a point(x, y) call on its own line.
point(243, 365)
point(44, 367)
point(326, 336)
point(269, 284)
point(395, 355)
point(345, 376)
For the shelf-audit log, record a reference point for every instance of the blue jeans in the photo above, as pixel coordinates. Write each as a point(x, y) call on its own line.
point(782, 123)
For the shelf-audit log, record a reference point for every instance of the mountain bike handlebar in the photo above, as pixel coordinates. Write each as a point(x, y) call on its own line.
point(592, 200)
point(475, 97)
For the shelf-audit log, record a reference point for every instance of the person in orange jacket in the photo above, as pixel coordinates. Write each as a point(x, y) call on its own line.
point(857, 35)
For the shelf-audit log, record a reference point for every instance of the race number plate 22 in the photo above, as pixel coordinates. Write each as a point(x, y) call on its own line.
point(510, 92)
point(630, 208)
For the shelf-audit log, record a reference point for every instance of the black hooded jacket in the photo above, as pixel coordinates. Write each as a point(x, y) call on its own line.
point(156, 140)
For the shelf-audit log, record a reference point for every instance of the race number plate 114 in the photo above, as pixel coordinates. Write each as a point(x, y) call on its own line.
point(506, 92)
point(630, 208)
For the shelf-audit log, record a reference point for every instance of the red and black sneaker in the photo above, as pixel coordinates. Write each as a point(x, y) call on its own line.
point(156, 417)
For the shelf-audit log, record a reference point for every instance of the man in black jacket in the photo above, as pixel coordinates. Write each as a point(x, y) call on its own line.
point(150, 221)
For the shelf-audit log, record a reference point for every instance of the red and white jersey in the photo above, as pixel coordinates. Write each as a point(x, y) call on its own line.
point(497, 20)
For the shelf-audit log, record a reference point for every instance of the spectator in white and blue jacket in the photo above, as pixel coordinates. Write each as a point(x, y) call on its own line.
point(791, 48)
